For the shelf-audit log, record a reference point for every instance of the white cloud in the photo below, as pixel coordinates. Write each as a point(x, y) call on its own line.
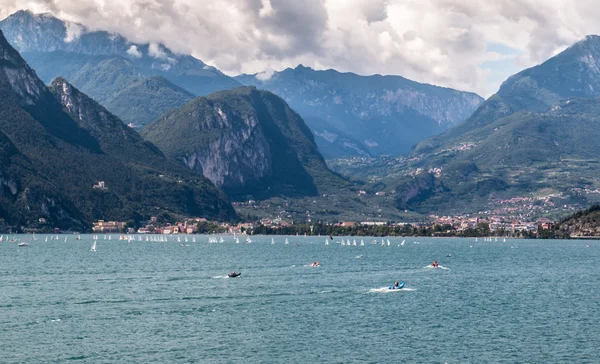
point(156, 51)
point(74, 31)
point(265, 75)
point(441, 42)
point(134, 52)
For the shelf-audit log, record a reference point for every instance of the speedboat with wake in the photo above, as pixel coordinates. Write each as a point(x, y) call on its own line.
point(234, 274)
point(397, 285)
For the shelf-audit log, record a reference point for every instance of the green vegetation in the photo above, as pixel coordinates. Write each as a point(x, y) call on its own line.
point(114, 81)
point(52, 154)
point(585, 223)
point(209, 227)
point(355, 115)
point(249, 142)
point(323, 229)
point(539, 133)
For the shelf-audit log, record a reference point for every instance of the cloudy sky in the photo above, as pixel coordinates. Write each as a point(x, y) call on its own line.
point(470, 44)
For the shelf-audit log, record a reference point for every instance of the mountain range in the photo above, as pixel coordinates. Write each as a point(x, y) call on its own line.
point(56, 144)
point(354, 115)
point(247, 142)
point(538, 135)
point(348, 114)
point(104, 64)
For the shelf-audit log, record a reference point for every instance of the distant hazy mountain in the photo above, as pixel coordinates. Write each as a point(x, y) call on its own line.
point(114, 71)
point(541, 131)
point(29, 32)
point(114, 81)
point(367, 115)
point(248, 142)
point(575, 72)
point(55, 144)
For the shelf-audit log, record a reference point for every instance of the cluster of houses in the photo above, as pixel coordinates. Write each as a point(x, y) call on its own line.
point(495, 223)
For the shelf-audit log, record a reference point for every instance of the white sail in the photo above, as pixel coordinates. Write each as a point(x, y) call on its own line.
point(286, 241)
point(272, 241)
point(93, 246)
point(402, 243)
point(362, 243)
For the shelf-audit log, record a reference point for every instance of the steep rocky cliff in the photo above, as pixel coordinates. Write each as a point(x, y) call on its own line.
point(246, 141)
point(360, 115)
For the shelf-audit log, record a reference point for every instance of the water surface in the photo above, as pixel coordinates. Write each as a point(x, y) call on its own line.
point(154, 302)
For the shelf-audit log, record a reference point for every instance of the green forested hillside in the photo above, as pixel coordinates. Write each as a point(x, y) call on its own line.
point(538, 136)
point(247, 141)
point(114, 81)
point(56, 145)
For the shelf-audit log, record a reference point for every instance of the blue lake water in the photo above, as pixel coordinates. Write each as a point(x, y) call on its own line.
point(520, 301)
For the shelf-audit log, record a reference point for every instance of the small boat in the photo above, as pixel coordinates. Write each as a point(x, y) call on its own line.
point(234, 274)
point(23, 244)
point(93, 248)
point(400, 286)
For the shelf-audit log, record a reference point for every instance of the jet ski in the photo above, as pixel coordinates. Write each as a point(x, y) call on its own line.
point(234, 274)
point(400, 286)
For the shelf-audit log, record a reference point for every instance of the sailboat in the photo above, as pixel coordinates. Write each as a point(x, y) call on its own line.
point(248, 240)
point(286, 241)
point(362, 243)
point(193, 240)
point(93, 246)
point(388, 242)
point(221, 240)
point(272, 241)
point(46, 239)
point(326, 242)
point(237, 240)
point(65, 239)
point(402, 243)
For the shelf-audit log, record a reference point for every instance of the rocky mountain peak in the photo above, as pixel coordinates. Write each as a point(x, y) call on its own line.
point(22, 79)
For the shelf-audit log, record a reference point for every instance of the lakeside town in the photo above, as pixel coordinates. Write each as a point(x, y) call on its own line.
point(438, 226)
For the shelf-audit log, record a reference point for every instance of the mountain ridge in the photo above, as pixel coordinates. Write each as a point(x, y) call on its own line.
point(55, 146)
point(29, 32)
point(363, 115)
point(248, 142)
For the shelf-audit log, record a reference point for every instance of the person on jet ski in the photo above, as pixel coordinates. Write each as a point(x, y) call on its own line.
point(397, 284)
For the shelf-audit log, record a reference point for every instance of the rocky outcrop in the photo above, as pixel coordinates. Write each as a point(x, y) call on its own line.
point(56, 144)
point(246, 141)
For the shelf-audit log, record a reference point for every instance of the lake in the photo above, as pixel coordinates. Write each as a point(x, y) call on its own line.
point(519, 301)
